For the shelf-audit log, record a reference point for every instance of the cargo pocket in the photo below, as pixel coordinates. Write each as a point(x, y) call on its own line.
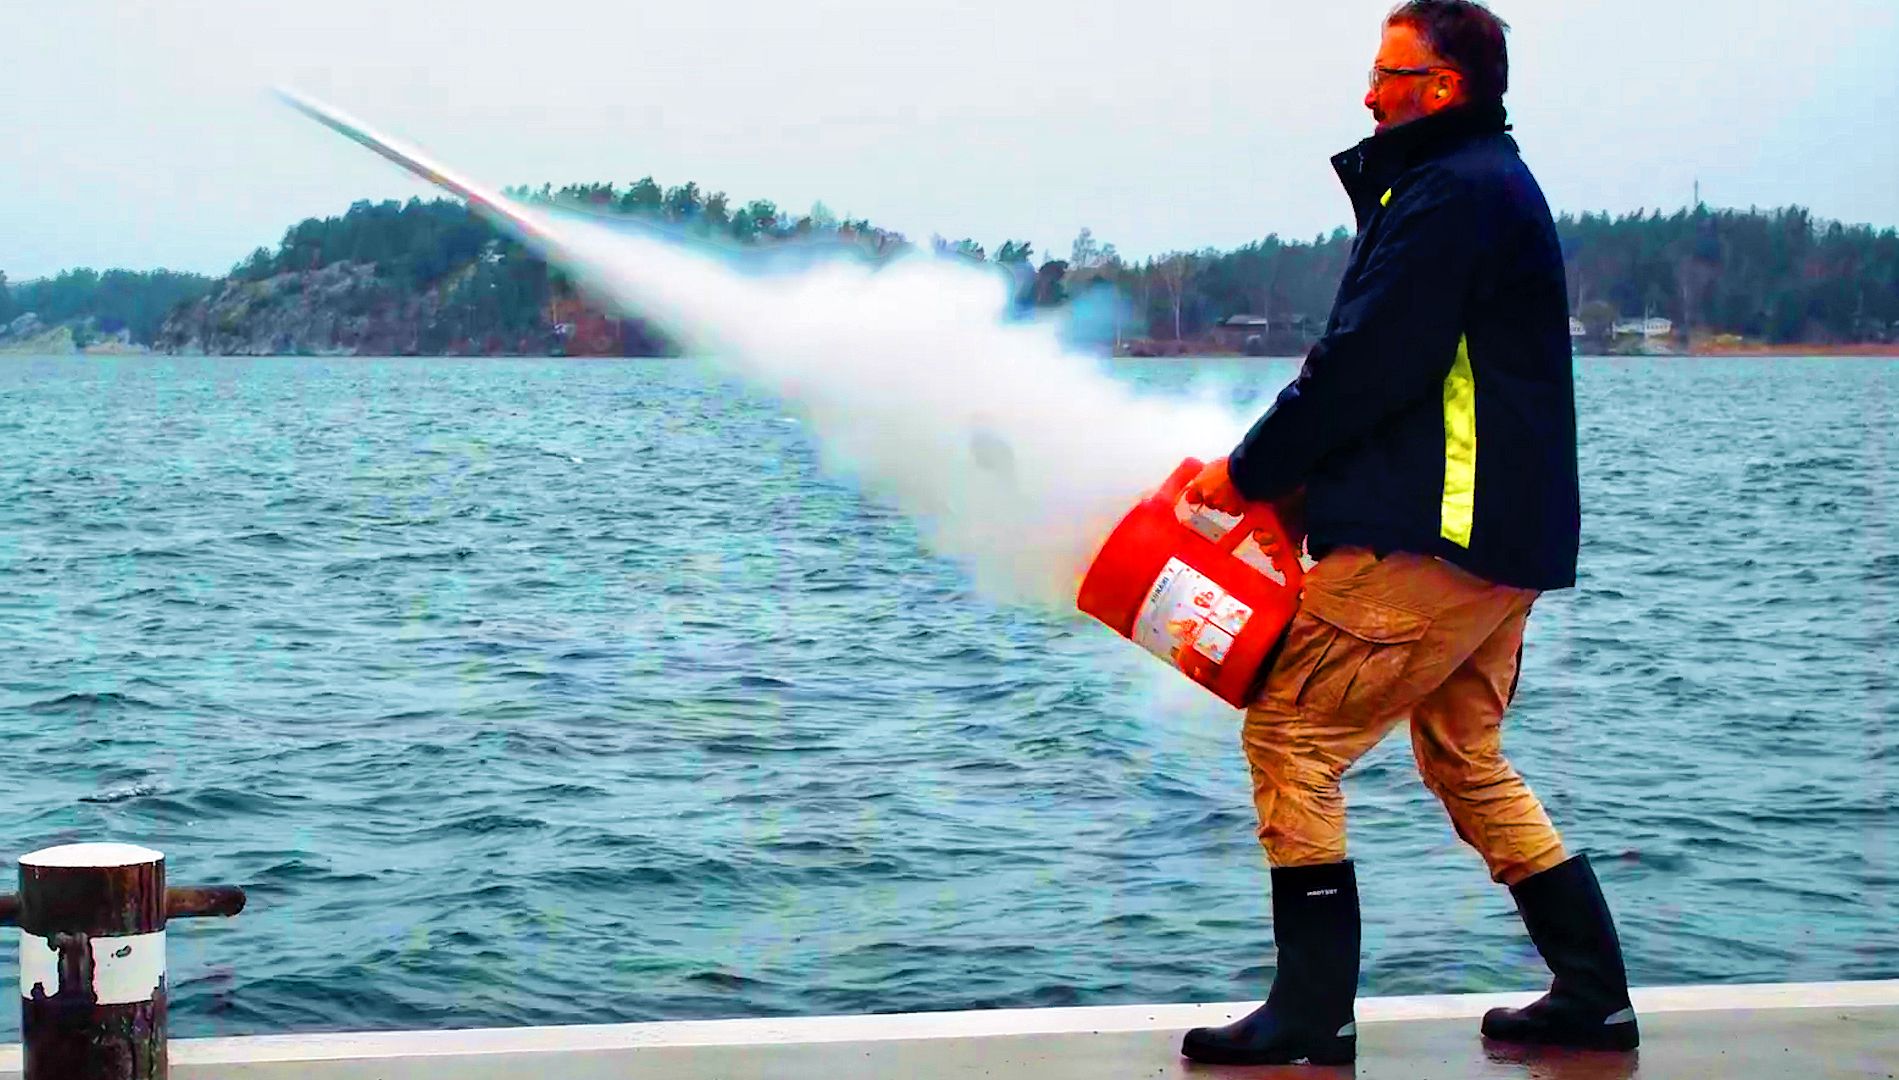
point(1369, 646)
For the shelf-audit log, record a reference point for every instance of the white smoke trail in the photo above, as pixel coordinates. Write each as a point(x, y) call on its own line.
point(1016, 454)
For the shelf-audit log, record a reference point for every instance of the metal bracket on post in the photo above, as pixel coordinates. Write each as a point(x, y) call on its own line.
point(92, 958)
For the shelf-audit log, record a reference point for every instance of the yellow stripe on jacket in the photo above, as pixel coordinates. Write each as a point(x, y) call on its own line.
point(1460, 450)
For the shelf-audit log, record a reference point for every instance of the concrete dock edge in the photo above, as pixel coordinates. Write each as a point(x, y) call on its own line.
point(1813, 1030)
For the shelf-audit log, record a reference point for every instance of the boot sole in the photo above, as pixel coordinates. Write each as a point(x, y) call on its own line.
point(1335, 1052)
point(1620, 1038)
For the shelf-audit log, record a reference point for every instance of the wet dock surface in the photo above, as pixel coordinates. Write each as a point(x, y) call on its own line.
point(1813, 1032)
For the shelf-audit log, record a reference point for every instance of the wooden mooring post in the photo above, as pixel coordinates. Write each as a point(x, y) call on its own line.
point(92, 958)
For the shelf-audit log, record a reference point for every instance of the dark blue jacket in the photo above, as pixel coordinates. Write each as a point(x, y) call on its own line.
point(1437, 415)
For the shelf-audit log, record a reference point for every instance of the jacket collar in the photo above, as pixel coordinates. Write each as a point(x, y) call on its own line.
point(1369, 169)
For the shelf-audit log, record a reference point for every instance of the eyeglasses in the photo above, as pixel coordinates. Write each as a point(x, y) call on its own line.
point(1378, 75)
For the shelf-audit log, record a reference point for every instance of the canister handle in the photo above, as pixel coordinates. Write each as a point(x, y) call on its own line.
point(1215, 526)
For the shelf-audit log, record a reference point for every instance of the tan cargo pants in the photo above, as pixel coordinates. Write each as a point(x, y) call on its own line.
point(1377, 641)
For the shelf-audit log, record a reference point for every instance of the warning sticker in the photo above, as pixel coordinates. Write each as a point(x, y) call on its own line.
point(1212, 643)
point(1230, 615)
point(1185, 608)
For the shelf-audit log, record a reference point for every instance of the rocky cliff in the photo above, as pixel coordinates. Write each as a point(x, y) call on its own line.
point(347, 309)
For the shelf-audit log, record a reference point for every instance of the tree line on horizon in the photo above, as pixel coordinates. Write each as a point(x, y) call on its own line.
point(136, 302)
point(1777, 276)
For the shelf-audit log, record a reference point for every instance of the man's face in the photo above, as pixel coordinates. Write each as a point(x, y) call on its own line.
point(1401, 89)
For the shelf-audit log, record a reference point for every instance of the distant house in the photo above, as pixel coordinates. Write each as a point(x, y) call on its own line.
point(1576, 328)
point(1262, 335)
point(1652, 327)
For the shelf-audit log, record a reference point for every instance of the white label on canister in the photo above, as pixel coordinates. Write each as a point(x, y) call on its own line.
point(1178, 605)
point(1250, 553)
point(1205, 520)
point(125, 970)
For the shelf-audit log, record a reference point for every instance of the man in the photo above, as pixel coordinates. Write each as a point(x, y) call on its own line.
point(1432, 431)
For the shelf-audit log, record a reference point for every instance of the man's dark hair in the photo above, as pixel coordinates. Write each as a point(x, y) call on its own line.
point(1467, 34)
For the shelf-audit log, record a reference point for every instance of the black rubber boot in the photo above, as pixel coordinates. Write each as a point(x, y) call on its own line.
point(1307, 1018)
point(1588, 1006)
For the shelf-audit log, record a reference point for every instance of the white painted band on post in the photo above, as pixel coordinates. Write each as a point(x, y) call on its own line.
point(125, 970)
point(82, 856)
point(39, 966)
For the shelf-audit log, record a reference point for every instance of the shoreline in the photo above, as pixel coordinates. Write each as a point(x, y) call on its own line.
point(1203, 348)
point(1872, 349)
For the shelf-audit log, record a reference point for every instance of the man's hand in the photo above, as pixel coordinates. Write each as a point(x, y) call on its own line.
point(1214, 488)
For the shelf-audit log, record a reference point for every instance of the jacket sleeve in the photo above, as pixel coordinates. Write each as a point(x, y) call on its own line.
point(1391, 340)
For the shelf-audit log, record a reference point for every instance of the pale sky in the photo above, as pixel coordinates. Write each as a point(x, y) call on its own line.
point(141, 134)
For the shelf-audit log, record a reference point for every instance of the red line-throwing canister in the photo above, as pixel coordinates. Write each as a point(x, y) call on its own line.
point(1208, 593)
